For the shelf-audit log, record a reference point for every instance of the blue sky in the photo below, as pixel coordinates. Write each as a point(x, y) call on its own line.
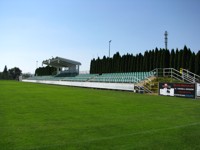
point(36, 30)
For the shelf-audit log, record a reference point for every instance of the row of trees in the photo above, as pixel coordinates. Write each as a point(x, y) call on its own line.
point(42, 71)
point(11, 74)
point(156, 58)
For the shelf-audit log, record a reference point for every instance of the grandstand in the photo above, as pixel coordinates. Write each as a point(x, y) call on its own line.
point(129, 81)
point(130, 77)
point(65, 67)
point(71, 77)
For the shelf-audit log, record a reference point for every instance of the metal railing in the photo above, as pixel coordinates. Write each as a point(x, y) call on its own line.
point(190, 76)
point(183, 76)
point(147, 89)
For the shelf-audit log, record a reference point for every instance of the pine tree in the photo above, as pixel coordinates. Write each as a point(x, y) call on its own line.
point(156, 58)
point(186, 54)
point(137, 63)
point(192, 63)
point(176, 60)
point(5, 70)
point(151, 59)
point(161, 58)
point(116, 62)
point(92, 66)
point(5, 73)
point(140, 62)
point(104, 65)
point(166, 61)
point(197, 63)
point(133, 64)
point(180, 58)
point(172, 59)
point(145, 61)
point(189, 55)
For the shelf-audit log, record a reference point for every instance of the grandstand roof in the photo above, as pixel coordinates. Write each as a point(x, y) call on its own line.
point(60, 62)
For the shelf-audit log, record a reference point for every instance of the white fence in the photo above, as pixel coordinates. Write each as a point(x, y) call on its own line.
point(100, 85)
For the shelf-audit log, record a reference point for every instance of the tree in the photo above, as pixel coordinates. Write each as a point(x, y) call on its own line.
point(99, 69)
point(152, 55)
point(176, 60)
point(166, 58)
point(129, 62)
point(132, 59)
point(145, 61)
point(41, 71)
point(192, 63)
point(5, 73)
point(14, 73)
point(92, 66)
point(197, 63)
point(116, 62)
point(123, 63)
point(172, 59)
point(161, 58)
point(186, 54)
point(104, 68)
point(155, 62)
point(5, 70)
point(151, 59)
point(180, 58)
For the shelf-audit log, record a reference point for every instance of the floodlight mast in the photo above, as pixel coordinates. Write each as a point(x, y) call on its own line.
point(109, 47)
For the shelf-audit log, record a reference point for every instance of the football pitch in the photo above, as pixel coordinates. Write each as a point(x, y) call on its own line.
point(49, 117)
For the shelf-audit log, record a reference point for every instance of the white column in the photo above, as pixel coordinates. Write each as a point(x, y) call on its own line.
point(58, 70)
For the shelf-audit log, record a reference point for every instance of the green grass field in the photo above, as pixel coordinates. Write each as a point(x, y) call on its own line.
point(49, 117)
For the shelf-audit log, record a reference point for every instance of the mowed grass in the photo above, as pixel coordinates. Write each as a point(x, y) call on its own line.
point(49, 117)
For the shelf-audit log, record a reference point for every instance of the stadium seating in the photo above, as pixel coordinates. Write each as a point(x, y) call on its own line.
point(129, 77)
point(66, 74)
point(41, 78)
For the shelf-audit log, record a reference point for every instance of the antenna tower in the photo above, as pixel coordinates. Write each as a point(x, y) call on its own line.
point(166, 34)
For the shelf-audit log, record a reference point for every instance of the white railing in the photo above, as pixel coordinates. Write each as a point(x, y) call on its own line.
point(190, 76)
point(185, 75)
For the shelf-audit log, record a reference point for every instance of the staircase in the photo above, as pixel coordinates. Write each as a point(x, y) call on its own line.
point(183, 75)
point(141, 87)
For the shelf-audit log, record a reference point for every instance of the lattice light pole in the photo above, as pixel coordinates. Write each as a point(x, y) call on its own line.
point(166, 39)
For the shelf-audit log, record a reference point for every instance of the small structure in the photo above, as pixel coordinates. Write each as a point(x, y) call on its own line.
point(63, 65)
